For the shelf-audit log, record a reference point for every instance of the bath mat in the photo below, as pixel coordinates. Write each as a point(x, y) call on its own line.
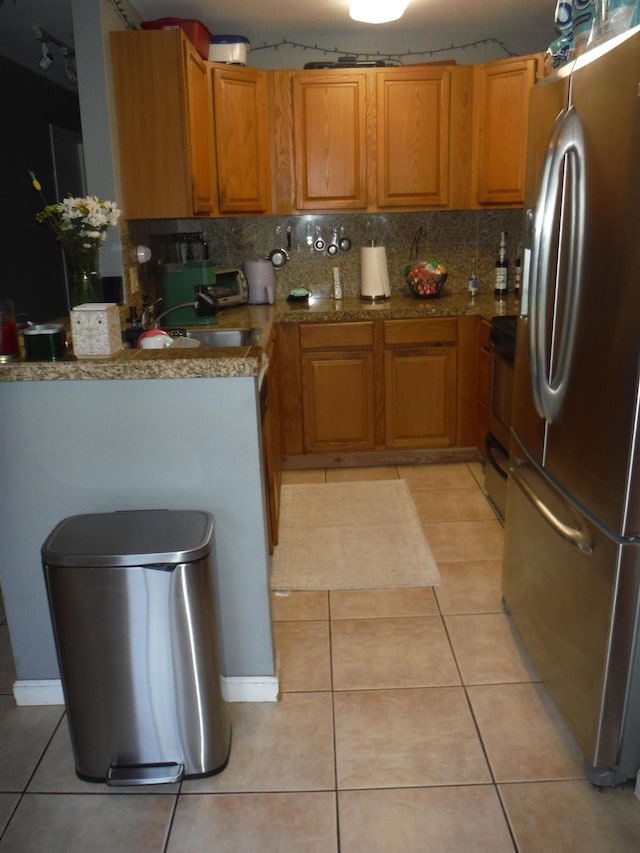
point(353, 535)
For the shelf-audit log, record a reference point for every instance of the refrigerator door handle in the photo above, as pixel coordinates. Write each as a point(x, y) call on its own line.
point(577, 535)
point(566, 146)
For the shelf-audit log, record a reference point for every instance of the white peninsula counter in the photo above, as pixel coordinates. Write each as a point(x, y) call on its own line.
point(142, 430)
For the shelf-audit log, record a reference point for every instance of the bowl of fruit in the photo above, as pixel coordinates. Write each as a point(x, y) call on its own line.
point(425, 278)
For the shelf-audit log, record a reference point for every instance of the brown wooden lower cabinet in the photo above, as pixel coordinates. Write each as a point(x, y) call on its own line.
point(337, 386)
point(420, 385)
point(338, 400)
point(484, 384)
point(376, 386)
point(420, 401)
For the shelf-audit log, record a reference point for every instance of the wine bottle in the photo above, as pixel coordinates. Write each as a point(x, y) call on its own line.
point(502, 268)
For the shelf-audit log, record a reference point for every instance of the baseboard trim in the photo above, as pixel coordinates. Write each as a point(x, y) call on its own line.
point(412, 456)
point(47, 692)
point(250, 688)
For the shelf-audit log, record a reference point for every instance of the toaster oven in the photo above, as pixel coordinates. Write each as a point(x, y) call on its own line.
point(230, 287)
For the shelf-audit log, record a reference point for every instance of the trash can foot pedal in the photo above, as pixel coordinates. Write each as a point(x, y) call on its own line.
point(145, 774)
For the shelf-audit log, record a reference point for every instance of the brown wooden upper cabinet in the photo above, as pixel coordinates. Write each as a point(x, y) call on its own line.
point(500, 122)
point(381, 139)
point(413, 135)
point(193, 136)
point(203, 139)
point(164, 129)
point(241, 109)
point(329, 129)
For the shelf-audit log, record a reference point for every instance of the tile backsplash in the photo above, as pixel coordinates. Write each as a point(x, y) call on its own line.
point(454, 237)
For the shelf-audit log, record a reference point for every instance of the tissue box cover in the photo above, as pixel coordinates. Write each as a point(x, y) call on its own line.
point(95, 329)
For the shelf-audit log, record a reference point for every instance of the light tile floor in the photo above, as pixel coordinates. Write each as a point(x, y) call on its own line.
point(410, 720)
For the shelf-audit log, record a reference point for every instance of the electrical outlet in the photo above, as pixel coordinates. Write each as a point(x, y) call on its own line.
point(134, 283)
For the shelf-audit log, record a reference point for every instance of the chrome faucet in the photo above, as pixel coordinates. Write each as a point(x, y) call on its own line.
point(149, 321)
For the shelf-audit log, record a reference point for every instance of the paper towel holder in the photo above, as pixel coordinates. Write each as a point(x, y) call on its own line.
point(374, 273)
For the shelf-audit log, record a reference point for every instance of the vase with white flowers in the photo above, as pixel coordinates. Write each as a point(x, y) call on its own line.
point(80, 226)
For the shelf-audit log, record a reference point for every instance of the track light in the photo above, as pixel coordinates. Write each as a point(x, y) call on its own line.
point(377, 11)
point(46, 60)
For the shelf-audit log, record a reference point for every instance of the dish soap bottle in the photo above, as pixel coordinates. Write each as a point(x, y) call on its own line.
point(473, 281)
point(502, 268)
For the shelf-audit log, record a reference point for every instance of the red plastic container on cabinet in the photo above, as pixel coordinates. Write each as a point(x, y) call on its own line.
point(194, 30)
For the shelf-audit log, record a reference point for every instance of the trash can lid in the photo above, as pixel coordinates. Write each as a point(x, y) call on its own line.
point(130, 538)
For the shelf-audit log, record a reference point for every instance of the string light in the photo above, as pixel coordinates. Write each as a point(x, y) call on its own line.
point(391, 57)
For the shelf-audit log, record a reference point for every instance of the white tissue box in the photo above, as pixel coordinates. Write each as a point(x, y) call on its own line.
point(95, 329)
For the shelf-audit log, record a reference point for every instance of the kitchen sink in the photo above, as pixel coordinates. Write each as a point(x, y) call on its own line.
point(225, 337)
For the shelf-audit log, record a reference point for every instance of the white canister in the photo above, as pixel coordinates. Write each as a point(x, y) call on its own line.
point(261, 278)
point(230, 49)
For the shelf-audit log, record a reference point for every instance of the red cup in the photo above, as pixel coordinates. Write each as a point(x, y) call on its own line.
point(8, 332)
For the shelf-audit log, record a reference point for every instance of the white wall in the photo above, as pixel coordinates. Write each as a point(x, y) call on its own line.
point(82, 446)
point(92, 22)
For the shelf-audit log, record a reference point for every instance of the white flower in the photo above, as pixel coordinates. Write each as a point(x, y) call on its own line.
point(80, 224)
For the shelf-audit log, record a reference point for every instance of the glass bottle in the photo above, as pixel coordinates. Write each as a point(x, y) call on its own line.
point(502, 268)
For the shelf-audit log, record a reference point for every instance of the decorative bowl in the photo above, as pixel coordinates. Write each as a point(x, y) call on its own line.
point(425, 279)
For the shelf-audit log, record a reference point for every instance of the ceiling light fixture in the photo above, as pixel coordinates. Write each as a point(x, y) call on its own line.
point(46, 60)
point(377, 11)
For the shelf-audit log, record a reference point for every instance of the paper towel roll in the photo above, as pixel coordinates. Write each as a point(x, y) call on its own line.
point(374, 273)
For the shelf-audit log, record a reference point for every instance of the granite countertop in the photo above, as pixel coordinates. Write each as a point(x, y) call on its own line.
point(207, 362)
point(397, 307)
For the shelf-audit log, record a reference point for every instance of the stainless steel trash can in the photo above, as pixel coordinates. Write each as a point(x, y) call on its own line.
point(133, 612)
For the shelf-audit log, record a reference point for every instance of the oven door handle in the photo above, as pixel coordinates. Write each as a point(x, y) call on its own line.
point(491, 444)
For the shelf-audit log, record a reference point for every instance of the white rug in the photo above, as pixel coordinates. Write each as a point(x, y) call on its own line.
point(353, 535)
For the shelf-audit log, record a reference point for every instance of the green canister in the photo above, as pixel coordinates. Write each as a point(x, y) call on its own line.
point(45, 342)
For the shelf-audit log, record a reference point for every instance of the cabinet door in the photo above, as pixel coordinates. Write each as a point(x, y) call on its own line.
point(413, 109)
point(338, 400)
point(330, 111)
point(420, 396)
point(163, 118)
point(200, 131)
point(484, 384)
point(242, 139)
point(501, 117)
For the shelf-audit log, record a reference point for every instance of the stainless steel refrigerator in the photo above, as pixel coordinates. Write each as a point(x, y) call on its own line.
point(571, 573)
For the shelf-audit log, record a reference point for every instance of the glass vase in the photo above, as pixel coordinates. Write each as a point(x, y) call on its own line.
point(85, 284)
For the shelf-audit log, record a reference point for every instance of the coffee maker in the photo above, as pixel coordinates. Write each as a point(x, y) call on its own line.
point(190, 246)
point(190, 271)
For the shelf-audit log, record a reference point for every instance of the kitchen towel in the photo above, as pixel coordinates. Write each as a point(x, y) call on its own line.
point(374, 272)
point(353, 535)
